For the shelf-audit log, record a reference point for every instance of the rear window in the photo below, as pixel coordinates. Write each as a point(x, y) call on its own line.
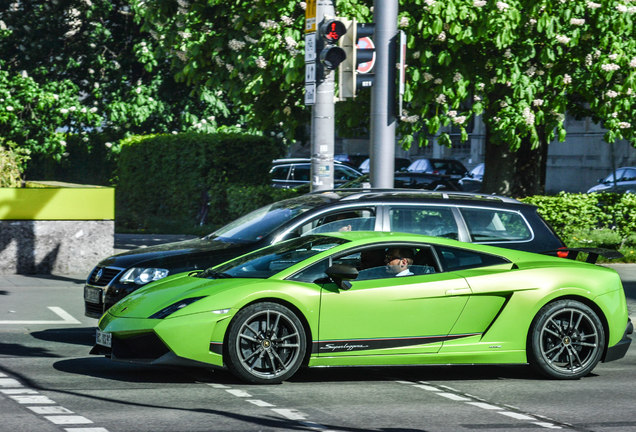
point(433, 221)
point(460, 259)
point(492, 225)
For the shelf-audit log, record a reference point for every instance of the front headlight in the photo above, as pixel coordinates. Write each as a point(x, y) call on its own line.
point(142, 276)
point(169, 310)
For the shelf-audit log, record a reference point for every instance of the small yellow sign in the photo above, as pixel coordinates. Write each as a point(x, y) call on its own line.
point(310, 16)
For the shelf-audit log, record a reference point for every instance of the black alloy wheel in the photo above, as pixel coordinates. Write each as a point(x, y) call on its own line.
point(266, 343)
point(566, 341)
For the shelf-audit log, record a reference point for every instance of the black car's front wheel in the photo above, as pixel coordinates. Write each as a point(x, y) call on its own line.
point(566, 340)
point(266, 343)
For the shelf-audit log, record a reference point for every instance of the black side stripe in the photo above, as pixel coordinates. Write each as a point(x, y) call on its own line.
point(333, 346)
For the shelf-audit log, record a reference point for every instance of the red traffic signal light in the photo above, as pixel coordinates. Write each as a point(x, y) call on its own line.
point(332, 30)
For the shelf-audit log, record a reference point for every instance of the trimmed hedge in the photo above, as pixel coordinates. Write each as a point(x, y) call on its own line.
point(168, 182)
point(606, 220)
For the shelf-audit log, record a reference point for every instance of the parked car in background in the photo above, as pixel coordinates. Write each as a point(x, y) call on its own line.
point(419, 180)
point(461, 216)
point(291, 173)
point(625, 182)
point(451, 167)
point(472, 182)
point(353, 160)
point(401, 164)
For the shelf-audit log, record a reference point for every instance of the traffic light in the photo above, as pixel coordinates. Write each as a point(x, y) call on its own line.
point(360, 59)
point(331, 31)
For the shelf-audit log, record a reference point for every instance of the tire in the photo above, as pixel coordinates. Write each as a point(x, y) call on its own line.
point(566, 340)
point(266, 343)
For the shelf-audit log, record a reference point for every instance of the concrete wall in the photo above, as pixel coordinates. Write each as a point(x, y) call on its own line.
point(54, 247)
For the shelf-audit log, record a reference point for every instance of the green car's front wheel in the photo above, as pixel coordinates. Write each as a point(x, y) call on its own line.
point(567, 340)
point(266, 343)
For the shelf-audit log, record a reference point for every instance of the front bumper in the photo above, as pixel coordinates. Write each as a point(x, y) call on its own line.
point(619, 350)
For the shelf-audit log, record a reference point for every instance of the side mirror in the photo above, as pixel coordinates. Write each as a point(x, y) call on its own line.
point(341, 275)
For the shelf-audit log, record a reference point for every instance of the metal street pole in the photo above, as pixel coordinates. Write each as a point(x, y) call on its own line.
point(322, 118)
point(383, 120)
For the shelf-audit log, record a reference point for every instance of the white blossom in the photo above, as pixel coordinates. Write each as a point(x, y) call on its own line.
point(632, 63)
point(537, 102)
point(93, 110)
point(480, 86)
point(532, 21)
point(611, 94)
point(303, 5)
point(427, 76)
point(404, 22)
point(614, 114)
point(459, 120)
point(563, 39)
point(589, 60)
point(290, 42)
point(288, 21)
point(269, 24)
point(452, 113)
point(108, 144)
point(502, 6)
point(476, 98)
point(416, 55)
point(236, 45)
point(593, 5)
point(410, 119)
point(437, 81)
point(430, 3)
point(63, 143)
point(621, 8)
point(612, 57)
point(610, 67)
point(528, 116)
point(577, 21)
point(441, 37)
point(567, 79)
point(440, 99)
point(531, 71)
point(63, 110)
point(479, 3)
point(457, 77)
point(624, 125)
point(260, 62)
point(507, 53)
point(503, 104)
point(9, 108)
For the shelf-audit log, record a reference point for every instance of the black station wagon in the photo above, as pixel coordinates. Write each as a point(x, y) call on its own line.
point(486, 219)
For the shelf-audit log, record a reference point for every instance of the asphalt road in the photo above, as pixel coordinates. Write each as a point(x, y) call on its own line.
point(48, 382)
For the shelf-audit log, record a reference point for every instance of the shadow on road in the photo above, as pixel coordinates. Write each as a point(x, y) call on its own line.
point(75, 336)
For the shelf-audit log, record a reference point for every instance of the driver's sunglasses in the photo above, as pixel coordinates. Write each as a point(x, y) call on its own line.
point(389, 258)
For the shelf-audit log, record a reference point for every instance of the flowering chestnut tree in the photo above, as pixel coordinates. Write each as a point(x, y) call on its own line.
point(83, 67)
point(522, 64)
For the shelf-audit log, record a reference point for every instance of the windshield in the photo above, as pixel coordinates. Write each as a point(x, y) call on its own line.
point(263, 221)
point(268, 261)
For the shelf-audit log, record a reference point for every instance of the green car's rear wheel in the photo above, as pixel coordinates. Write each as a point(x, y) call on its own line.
point(567, 340)
point(266, 343)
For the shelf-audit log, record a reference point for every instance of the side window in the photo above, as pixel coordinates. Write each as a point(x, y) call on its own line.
point(630, 174)
point(348, 220)
point(487, 225)
point(312, 273)
point(433, 221)
point(459, 259)
point(280, 172)
point(343, 173)
point(301, 172)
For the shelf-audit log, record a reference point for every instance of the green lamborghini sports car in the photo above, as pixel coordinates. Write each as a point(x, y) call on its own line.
point(368, 298)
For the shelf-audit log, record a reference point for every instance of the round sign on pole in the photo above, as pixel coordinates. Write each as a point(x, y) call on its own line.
point(366, 43)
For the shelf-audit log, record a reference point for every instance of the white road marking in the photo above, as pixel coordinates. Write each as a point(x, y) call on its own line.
point(43, 405)
point(238, 393)
point(67, 419)
point(50, 410)
point(67, 318)
point(291, 414)
point(27, 400)
point(456, 395)
point(97, 429)
point(18, 391)
point(9, 383)
point(260, 403)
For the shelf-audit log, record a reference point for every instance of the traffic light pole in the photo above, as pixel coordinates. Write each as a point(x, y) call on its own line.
point(383, 120)
point(323, 118)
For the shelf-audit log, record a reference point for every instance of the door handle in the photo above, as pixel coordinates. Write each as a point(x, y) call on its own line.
point(458, 291)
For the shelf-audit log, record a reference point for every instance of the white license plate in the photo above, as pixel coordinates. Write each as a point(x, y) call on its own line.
point(104, 339)
point(93, 295)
